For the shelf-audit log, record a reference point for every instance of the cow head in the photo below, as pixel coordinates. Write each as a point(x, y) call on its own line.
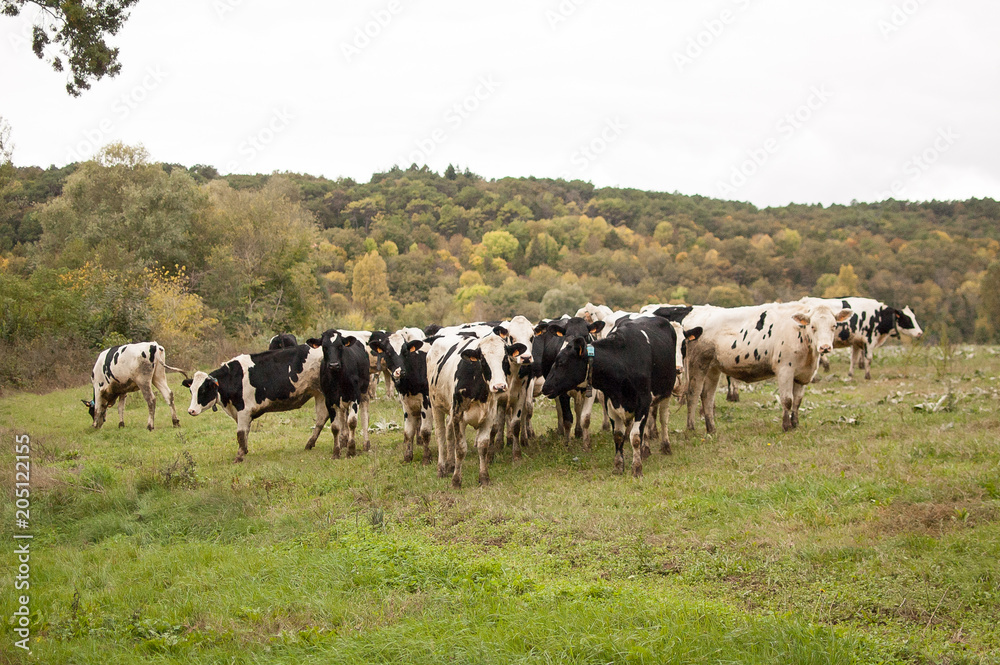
point(89, 403)
point(569, 370)
point(906, 323)
point(491, 352)
point(333, 344)
point(520, 333)
point(822, 322)
point(379, 343)
point(204, 392)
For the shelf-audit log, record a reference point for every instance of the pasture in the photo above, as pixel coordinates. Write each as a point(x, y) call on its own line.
point(869, 535)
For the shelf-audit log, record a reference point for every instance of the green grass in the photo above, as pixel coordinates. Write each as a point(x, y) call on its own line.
point(869, 535)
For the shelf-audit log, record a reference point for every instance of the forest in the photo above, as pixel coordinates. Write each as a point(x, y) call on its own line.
point(124, 248)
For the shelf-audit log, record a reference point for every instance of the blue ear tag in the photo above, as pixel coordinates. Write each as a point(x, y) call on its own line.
point(590, 350)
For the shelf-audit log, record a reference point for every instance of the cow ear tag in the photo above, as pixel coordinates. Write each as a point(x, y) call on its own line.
point(590, 350)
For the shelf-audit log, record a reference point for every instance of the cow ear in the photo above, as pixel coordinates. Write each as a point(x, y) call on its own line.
point(87, 403)
point(541, 327)
point(500, 330)
point(693, 334)
point(350, 339)
point(580, 346)
point(213, 380)
point(845, 314)
point(596, 327)
point(414, 345)
point(472, 354)
point(558, 331)
point(314, 343)
point(187, 383)
point(801, 319)
point(515, 350)
point(375, 346)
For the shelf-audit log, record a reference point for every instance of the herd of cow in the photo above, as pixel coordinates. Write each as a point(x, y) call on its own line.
point(487, 375)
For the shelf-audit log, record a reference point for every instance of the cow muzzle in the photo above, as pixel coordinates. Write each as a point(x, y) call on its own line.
point(499, 387)
point(335, 367)
point(192, 412)
point(398, 373)
point(825, 349)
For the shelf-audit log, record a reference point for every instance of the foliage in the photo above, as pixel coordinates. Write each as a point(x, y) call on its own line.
point(77, 31)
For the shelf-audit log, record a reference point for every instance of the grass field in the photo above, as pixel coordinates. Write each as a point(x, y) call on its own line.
point(869, 535)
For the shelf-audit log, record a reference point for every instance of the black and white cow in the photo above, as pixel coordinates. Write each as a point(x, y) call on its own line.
point(550, 337)
point(633, 366)
point(282, 341)
point(344, 377)
point(465, 376)
point(414, 393)
point(130, 368)
point(250, 385)
point(869, 327)
point(384, 361)
point(752, 344)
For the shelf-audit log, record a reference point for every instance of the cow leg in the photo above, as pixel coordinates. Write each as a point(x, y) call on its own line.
point(619, 436)
point(242, 434)
point(425, 430)
point(605, 419)
point(322, 415)
point(786, 395)
point(336, 428)
point(499, 426)
point(584, 407)
point(147, 394)
point(732, 390)
point(390, 385)
point(855, 359)
point(798, 392)
point(441, 427)
point(515, 426)
point(564, 416)
point(121, 411)
point(411, 421)
point(635, 438)
point(160, 383)
point(529, 411)
point(708, 398)
point(350, 410)
point(362, 422)
point(663, 416)
point(483, 446)
point(696, 383)
point(461, 447)
point(869, 358)
point(824, 361)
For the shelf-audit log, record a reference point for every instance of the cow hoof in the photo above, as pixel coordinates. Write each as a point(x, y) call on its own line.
point(238, 460)
point(605, 427)
point(120, 425)
point(408, 457)
point(426, 459)
point(310, 445)
point(619, 468)
point(516, 457)
point(442, 472)
point(368, 446)
point(637, 471)
point(351, 452)
point(665, 448)
point(177, 423)
point(732, 398)
point(484, 479)
point(644, 451)
point(149, 427)
point(336, 453)
point(456, 482)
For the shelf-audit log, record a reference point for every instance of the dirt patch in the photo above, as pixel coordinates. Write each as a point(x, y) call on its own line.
point(931, 518)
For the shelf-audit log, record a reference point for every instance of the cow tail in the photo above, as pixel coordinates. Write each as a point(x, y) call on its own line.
point(175, 369)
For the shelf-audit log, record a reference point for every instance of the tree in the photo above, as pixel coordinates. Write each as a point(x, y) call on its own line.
point(846, 284)
point(76, 30)
point(989, 296)
point(501, 244)
point(371, 287)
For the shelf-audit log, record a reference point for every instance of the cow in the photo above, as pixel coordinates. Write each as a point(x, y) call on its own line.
point(550, 337)
point(250, 385)
point(128, 368)
point(751, 344)
point(344, 377)
point(465, 376)
point(633, 366)
point(871, 325)
point(386, 360)
point(513, 404)
point(282, 341)
point(412, 387)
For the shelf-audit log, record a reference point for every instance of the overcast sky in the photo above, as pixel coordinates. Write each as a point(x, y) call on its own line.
point(768, 101)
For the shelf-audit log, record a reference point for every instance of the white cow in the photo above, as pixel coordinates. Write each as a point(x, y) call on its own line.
point(756, 343)
point(129, 368)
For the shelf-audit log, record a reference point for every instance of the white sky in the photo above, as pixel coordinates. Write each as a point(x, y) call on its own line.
point(904, 94)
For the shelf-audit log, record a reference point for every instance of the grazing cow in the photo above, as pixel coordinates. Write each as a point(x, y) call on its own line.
point(465, 375)
point(751, 344)
point(869, 327)
point(125, 369)
point(634, 367)
point(550, 337)
point(282, 341)
point(413, 390)
point(250, 385)
point(344, 376)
